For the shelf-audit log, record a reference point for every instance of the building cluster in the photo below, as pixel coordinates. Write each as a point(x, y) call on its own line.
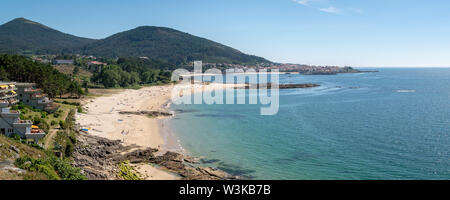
point(10, 122)
point(34, 97)
point(304, 69)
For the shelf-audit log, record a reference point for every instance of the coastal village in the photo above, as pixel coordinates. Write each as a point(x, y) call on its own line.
point(107, 119)
point(75, 115)
point(97, 62)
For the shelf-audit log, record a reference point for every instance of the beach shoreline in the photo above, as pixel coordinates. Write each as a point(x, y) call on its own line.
point(104, 117)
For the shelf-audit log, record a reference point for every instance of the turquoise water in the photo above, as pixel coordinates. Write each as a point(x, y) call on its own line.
point(394, 124)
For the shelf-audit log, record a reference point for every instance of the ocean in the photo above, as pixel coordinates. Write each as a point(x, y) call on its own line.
point(394, 124)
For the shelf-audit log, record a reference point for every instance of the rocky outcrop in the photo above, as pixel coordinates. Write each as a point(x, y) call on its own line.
point(94, 156)
point(152, 114)
point(281, 86)
point(99, 158)
point(8, 166)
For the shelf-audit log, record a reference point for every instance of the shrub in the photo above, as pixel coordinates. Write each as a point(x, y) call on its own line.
point(44, 126)
point(36, 120)
point(126, 172)
point(53, 167)
point(56, 114)
point(38, 165)
point(65, 170)
point(71, 103)
point(79, 109)
point(62, 124)
point(21, 106)
point(43, 115)
point(69, 149)
point(16, 137)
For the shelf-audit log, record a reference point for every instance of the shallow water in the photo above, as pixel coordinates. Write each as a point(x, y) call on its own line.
point(394, 124)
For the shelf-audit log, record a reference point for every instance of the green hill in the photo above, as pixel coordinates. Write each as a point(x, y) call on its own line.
point(21, 35)
point(165, 44)
point(168, 45)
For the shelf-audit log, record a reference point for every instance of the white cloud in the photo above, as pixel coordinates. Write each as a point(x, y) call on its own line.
point(324, 6)
point(331, 9)
point(303, 2)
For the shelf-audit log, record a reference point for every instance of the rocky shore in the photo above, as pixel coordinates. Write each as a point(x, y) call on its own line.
point(99, 159)
point(281, 86)
point(153, 114)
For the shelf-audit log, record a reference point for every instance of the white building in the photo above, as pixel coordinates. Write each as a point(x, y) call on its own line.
point(10, 123)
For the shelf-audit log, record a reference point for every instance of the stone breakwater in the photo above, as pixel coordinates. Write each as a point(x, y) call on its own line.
point(99, 159)
point(280, 86)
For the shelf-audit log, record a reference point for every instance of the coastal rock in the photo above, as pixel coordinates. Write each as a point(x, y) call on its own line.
point(8, 166)
point(281, 86)
point(15, 149)
point(99, 159)
point(152, 114)
point(191, 160)
point(212, 172)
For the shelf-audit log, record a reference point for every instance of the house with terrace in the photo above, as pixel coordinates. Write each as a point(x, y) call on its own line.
point(28, 94)
point(10, 122)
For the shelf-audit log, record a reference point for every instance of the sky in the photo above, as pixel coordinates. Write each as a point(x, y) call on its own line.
point(360, 33)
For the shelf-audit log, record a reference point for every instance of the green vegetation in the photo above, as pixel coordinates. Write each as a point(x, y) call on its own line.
point(68, 103)
point(126, 172)
point(166, 44)
point(25, 149)
point(25, 36)
point(40, 164)
point(64, 143)
point(114, 76)
point(53, 167)
point(75, 88)
point(65, 139)
point(21, 69)
point(39, 118)
point(141, 65)
point(58, 126)
point(169, 45)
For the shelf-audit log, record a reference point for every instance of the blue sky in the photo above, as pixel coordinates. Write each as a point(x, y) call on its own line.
point(321, 32)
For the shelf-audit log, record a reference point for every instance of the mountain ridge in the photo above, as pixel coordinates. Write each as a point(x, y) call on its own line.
point(21, 34)
point(166, 44)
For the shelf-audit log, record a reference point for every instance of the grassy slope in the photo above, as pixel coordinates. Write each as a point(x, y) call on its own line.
point(48, 139)
point(7, 154)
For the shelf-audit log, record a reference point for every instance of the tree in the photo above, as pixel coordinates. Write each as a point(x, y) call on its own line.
point(3, 74)
point(75, 88)
point(110, 78)
point(134, 78)
point(85, 86)
point(76, 70)
point(130, 73)
point(20, 69)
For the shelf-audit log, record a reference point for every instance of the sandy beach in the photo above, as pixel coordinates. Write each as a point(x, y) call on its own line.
point(103, 119)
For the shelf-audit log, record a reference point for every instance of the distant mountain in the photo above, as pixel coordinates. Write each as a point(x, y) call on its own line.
point(167, 44)
point(161, 43)
point(21, 35)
